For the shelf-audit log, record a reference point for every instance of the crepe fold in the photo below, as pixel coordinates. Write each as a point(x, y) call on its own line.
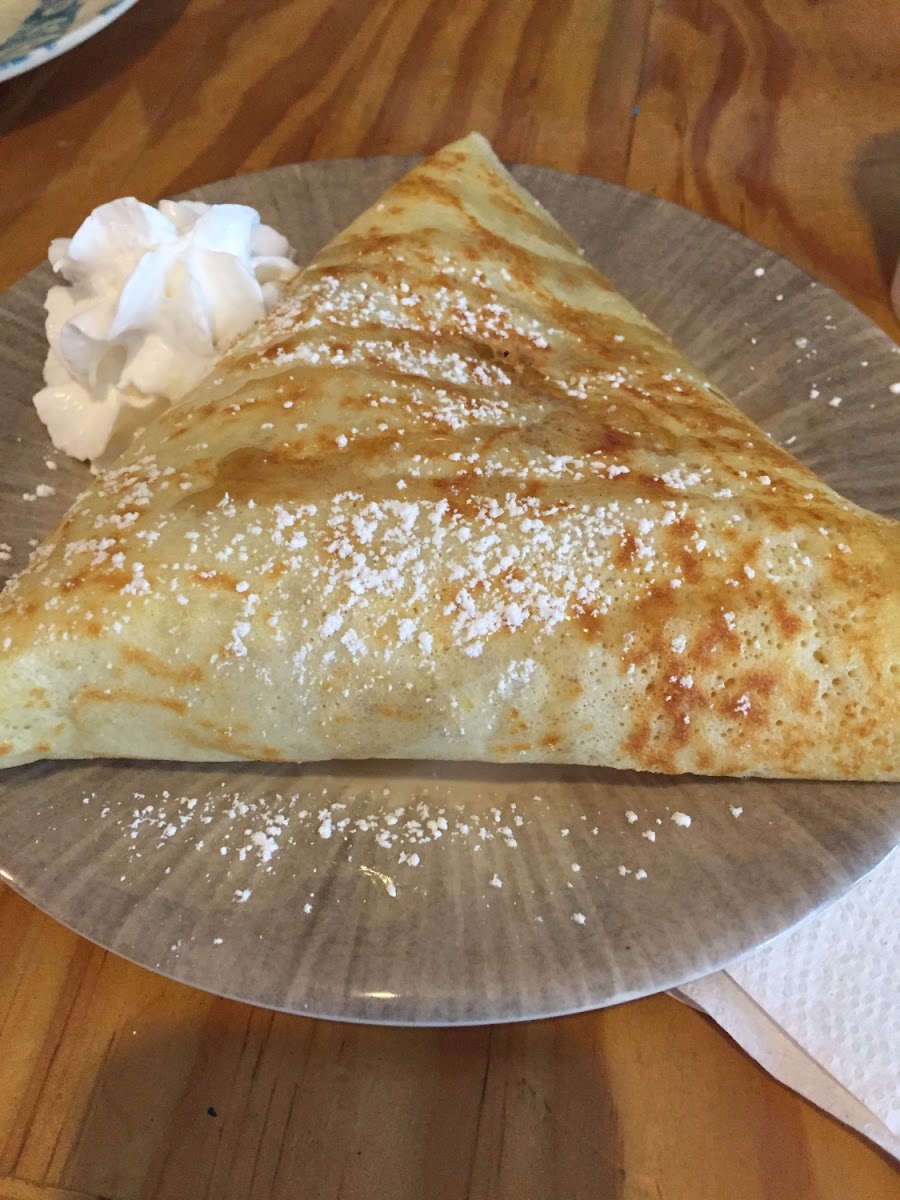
point(457, 499)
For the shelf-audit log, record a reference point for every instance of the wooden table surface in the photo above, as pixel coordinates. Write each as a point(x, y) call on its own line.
point(777, 117)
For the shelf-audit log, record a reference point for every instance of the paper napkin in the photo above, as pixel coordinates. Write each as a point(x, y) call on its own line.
point(819, 1008)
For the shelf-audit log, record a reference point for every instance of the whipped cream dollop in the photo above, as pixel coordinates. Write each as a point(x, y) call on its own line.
point(153, 298)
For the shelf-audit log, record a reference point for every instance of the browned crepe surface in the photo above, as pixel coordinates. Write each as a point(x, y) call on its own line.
point(459, 500)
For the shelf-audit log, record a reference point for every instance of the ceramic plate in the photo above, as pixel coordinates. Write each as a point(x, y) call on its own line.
point(34, 31)
point(423, 894)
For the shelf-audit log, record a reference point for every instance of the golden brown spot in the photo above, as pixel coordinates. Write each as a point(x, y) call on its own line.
point(413, 188)
point(626, 550)
point(691, 566)
point(649, 486)
point(506, 748)
point(458, 490)
point(123, 696)
point(273, 352)
point(159, 668)
point(681, 730)
point(763, 682)
point(214, 580)
point(714, 634)
point(516, 724)
point(590, 623)
point(804, 696)
point(393, 713)
point(224, 740)
point(215, 727)
point(610, 440)
point(789, 623)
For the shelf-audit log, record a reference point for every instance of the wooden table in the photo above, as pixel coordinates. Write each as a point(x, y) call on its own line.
point(774, 116)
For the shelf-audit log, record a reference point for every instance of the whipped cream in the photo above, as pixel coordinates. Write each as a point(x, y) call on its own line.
point(154, 297)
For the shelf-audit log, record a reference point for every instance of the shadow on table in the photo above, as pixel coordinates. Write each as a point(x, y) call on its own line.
point(63, 81)
point(212, 1097)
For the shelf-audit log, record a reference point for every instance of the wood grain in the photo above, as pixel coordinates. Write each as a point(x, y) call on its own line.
point(779, 118)
point(776, 116)
point(308, 80)
point(126, 1085)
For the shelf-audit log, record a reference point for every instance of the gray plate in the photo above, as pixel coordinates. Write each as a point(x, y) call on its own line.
point(452, 894)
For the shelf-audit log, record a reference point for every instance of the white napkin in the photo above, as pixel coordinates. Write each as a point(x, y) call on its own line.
point(819, 1008)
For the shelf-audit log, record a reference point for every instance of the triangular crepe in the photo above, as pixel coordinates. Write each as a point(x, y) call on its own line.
point(457, 499)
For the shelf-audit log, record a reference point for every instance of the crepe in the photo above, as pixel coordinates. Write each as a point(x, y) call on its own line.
point(457, 499)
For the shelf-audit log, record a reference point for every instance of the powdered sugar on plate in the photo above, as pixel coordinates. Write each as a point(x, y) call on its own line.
point(317, 838)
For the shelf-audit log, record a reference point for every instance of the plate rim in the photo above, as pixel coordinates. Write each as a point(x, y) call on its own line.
point(46, 51)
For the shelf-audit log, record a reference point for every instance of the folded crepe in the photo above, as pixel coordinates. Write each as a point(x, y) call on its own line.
point(457, 499)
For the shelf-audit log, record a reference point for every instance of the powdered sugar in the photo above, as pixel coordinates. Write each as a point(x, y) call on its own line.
point(393, 836)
